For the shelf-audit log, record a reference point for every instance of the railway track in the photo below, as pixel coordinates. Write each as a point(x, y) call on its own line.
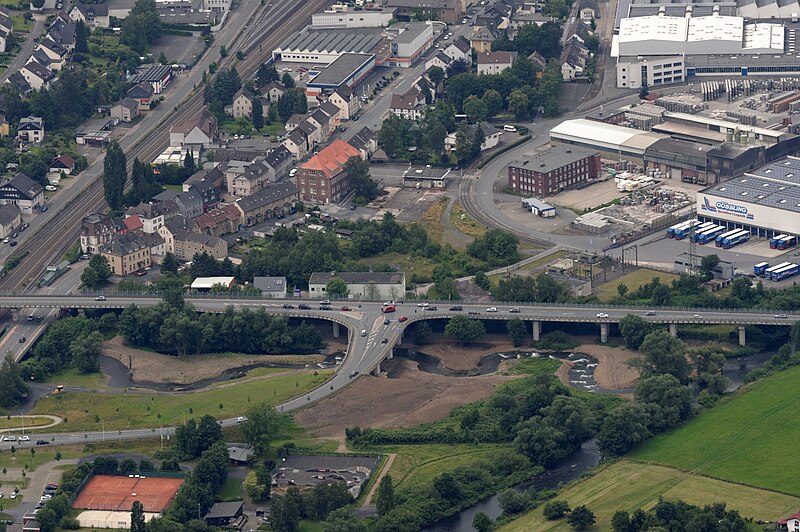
point(263, 32)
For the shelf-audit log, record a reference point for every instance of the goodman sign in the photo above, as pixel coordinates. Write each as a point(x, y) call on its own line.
point(723, 207)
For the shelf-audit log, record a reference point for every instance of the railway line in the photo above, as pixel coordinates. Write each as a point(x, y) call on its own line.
point(265, 30)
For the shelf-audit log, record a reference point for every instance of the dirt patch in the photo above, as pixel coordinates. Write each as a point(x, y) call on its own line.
point(408, 398)
point(147, 366)
point(612, 371)
point(465, 358)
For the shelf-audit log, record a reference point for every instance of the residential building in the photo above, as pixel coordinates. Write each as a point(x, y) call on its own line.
point(274, 287)
point(459, 50)
point(214, 177)
point(157, 245)
point(185, 244)
point(23, 192)
point(17, 80)
point(539, 61)
point(297, 144)
point(410, 105)
point(245, 178)
point(548, 173)
point(208, 191)
point(142, 93)
point(295, 120)
point(243, 102)
point(5, 129)
point(154, 215)
point(449, 11)
point(126, 254)
point(190, 204)
point(440, 60)
point(94, 15)
point(493, 63)
point(574, 56)
point(158, 76)
point(273, 201)
point(347, 102)
point(223, 514)
point(218, 221)
point(789, 524)
point(322, 178)
point(126, 109)
point(312, 131)
point(10, 220)
point(273, 91)
point(30, 130)
point(361, 285)
point(365, 141)
point(588, 10)
point(195, 134)
point(481, 39)
point(278, 162)
point(38, 76)
point(62, 163)
point(491, 136)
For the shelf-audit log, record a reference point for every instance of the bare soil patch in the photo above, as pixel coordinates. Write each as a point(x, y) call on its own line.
point(612, 371)
point(464, 358)
point(406, 398)
point(147, 366)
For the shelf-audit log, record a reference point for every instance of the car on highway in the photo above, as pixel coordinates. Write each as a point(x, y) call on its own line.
point(42, 442)
point(401, 319)
point(423, 304)
point(24, 438)
point(698, 316)
point(303, 306)
point(385, 341)
point(514, 310)
point(13, 495)
point(14, 235)
point(6, 240)
point(325, 302)
point(44, 209)
point(650, 313)
point(13, 243)
point(363, 332)
point(602, 315)
point(491, 309)
point(387, 321)
point(430, 309)
point(288, 306)
point(100, 298)
point(325, 307)
point(22, 340)
point(354, 374)
point(456, 308)
point(241, 419)
point(781, 316)
point(9, 438)
point(346, 309)
point(388, 308)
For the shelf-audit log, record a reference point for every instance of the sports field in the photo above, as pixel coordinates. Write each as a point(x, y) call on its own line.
point(749, 438)
point(118, 493)
point(628, 485)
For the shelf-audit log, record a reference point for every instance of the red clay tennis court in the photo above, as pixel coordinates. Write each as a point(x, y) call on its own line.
point(104, 492)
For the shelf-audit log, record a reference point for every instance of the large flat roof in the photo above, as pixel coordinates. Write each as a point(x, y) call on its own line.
point(603, 135)
point(553, 159)
point(773, 185)
point(342, 68)
point(331, 41)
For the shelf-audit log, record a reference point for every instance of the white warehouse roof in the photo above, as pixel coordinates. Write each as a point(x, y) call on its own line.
point(664, 35)
point(603, 136)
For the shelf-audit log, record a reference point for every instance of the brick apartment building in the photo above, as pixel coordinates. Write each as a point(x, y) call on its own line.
point(550, 172)
point(322, 179)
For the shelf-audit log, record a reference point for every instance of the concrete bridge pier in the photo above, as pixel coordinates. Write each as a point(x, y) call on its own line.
point(673, 329)
point(742, 338)
point(390, 354)
point(537, 330)
point(604, 333)
point(377, 371)
point(335, 330)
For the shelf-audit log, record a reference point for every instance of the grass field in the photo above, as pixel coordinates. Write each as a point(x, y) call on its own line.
point(538, 263)
point(628, 485)
point(748, 438)
point(28, 422)
point(231, 490)
point(464, 222)
point(632, 280)
point(432, 220)
point(20, 23)
point(73, 377)
point(404, 263)
point(83, 411)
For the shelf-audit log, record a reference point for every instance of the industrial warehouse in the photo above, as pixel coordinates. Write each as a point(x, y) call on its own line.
point(765, 201)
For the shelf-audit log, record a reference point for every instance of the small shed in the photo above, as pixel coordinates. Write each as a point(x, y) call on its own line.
point(224, 513)
point(206, 283)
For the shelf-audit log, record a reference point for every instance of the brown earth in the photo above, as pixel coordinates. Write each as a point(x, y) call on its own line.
point(407, 397)
point(154, 367)
point(465, 358)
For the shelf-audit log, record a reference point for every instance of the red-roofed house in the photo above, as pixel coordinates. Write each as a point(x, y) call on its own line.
point(217, 222)
point(790, 524)
point(322, 178)
point(62, 163)
point(133, 223)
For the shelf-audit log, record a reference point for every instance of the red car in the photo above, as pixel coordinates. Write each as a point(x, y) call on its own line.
point(402, 319)
point(346, 309)
point(388, 308)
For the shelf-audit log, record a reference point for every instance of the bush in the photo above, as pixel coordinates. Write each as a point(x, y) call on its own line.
point(556, 510)
point(69, 523)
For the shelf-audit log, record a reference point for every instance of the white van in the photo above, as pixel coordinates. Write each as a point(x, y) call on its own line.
point(512, 129)
point(51, 188)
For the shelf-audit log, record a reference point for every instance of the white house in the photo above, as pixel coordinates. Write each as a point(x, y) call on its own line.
point(37, 76)
point(93, 15)
point(30, 130)
point(790, 524)
point(491, 136)
point(196, 134)
point(361, 285)
point(459, 49)
point(410, 105)
point(23, 192)
point(495, 62)
point(347, 102)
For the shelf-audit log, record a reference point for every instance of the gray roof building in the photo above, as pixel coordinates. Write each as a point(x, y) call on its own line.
point(554, 158)
point(271, 286)
point(358, 277)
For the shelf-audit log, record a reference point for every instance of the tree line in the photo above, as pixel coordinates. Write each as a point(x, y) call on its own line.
point(679, 515)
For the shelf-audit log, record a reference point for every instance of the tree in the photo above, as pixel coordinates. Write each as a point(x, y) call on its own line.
point(142, 26)
point(263, 422)
point(555, 510)
point(357, 172)
point(623, 428)
point(84, 351)
point(634, 329)
point(398, 520)
point(475, 109)
point(287, 80)
point(516, 330)
point(621, 521)
point(81, 38)
point(137, 517)
point(12, 386)
point(518, 104)
point(643, 92)
point(542, 444)
point(707, 265)
point(622, 289)
point(336, 287)
point(169, 264)
point(384, 498)
point(258, 113)
point(665, 354)
point(581, 518)
point(481, 522)
point(493, 101)
point(422, 333)
point(343, 520)
point(496, 247)
point(284, 514)
point(114, 175)
point(463, 329)
point(436, 75)
point(483, 281)
point(97, 273)
point(673, 400)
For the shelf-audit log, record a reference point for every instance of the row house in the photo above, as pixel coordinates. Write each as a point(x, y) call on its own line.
point(313, 129)
point(273, 201)
point(127, 254)
point(217, 222)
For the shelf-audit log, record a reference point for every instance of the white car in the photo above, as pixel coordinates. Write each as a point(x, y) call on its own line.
point(13, 495)
point(602, 315)
point(698, 316)
point(292, 172)
point(491, 309)
point(423, 304)
point(387, 303)
point(24, 438)
point(10, 438)
point(241, 419)
point(1, 494)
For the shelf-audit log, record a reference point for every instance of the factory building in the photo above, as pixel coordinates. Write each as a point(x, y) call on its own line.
point(765, 201)
point(549, 172)
point(613, 142)
point(346, 71)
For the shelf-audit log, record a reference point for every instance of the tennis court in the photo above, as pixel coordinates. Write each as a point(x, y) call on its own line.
point(104, 492)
